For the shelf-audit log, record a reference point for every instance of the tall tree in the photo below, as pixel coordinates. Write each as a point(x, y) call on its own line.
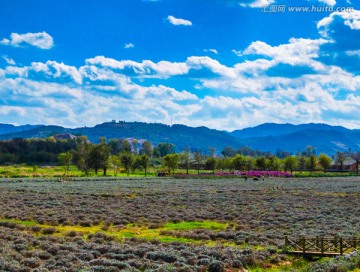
point(165, 149)
point(125, 146)
point(228, 152)
point(114, 163)
point(325, 161)
point(171, 162)
point(356, 157)
point(302, 162)
point(212, 151)
point(127, 159)
point(199, 158)
point(261, 163)
point(146, 148)
point(312, 162)
point(290, 163)
point(185, 159)
point(65, 160)
point(143, 161)
point(239, 162)
point(274, 163)
point(82, 156)
point(134, 147)
point(99, 156)
point(211, 164)
point(115, 146)
point(340, 159)
point(310, 150)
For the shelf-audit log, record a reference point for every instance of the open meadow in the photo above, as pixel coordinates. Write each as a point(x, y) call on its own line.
point(167, 224)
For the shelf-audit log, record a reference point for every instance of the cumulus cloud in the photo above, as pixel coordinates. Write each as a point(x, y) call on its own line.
point(343, 30)
point(41, 40)
point(178, 21)
point(283, 83)
point(350, 19)
point(297, 51)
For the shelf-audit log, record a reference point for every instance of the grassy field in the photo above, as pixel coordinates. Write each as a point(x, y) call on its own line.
point(26, 171)
point(165, 224)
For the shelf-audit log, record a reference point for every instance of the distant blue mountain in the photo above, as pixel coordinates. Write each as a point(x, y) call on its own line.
point(7, 128)
point(272, 129)
point(266, 137)
point(272, 137)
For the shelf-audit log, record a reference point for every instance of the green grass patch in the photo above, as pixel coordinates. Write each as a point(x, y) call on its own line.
point(184, 226)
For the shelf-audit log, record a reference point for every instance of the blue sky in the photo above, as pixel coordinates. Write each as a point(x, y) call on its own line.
point(224, 64)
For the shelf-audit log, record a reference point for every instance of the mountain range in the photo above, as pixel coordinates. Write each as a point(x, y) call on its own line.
point(267, 137)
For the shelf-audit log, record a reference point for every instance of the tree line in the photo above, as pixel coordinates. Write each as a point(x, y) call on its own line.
point(130, 155)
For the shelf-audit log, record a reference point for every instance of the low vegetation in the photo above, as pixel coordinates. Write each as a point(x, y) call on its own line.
point(162, 224)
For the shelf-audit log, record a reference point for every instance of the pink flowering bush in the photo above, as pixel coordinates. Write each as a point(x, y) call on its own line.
point(256, 173)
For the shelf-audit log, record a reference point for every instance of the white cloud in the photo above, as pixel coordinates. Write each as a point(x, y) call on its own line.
point(296, 52)
point(237, 53)
point(351, 19)
point(41, 40)
point(145, 68)
point(353, 53)
point(8, 60)
point(49, 70)
point(328, 2)
point(198, 63)
point(255, 3)
point(129, 45)
point(212, 51)
point(177, 21)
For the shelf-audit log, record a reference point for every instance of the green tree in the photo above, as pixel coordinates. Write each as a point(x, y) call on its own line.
point(224, 163)
point(212, 151)
point(82, 156)
point(164, 149)
point(261, 163)
point(146, 148)
point(125, 146)
point(211, 164)
point(199, 159)
point(312, 162)
point(143, 161)
point(356, 157)
point(290, 163)
point(228, 152)
point(302, 162)
point(325, 161)
point(65, 160)
point(274, 163)
point(99, 156)
point(127, 160)
point(239, 162)
point(250, 163)
point(115, 146)
point(340, 159)
point(134, 147)
point(310, 150)
point(114, 163)
point(171, 162)
point(185, 159)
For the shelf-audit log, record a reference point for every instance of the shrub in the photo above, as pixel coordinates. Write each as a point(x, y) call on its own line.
point(48, 231)
point(216, 266)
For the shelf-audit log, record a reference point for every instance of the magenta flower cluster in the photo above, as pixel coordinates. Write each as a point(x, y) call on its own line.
point(256, 173)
